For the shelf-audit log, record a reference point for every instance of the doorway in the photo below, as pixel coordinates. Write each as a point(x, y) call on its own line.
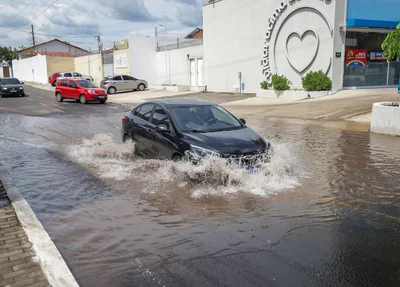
point(193, 72)
point(200, 72)
point(6, 72)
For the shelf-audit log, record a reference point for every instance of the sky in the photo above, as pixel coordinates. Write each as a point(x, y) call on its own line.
point(78, 21)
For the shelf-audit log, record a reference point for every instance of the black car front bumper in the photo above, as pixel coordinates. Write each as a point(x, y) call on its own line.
point(12, 93)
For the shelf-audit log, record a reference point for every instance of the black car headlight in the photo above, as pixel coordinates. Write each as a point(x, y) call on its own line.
point(199, 152)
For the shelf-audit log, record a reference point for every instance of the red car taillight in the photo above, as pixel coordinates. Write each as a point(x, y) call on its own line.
point(123, 120)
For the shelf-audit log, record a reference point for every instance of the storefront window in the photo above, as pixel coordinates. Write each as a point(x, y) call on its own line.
point(365, 64)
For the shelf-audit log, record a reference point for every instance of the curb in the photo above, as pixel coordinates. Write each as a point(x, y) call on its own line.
point(53, 265)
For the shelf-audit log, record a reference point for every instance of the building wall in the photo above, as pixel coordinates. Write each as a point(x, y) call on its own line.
point(121, 62)
point(178, 65)
point(90, 65)
point(339, 45)
point(235, 36)
point(32, 69)
point(59, 64)
point(143, 58)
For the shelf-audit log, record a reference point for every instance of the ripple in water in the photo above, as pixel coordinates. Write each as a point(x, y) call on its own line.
point(111, 159)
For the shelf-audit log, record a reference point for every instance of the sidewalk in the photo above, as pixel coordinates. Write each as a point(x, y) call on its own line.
point(18, 264)
point(349, 105)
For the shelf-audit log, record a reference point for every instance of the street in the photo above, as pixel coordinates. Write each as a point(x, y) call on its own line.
point(325, 212)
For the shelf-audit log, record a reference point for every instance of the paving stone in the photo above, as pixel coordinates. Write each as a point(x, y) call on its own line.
point(39, 284)
point(6, 282)
point(9, 245)
point(13, 263)
point(12, 253)
point(22, 283)
point(29, 274)
point(26, 247)
point(14, 240)
point(24, 272)
point(23, 265)
point(22, 255)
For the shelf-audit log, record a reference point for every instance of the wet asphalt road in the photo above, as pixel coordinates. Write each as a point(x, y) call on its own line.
point(39, 102)
point(337, 225)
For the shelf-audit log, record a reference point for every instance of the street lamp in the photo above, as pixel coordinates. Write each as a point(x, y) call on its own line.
point(165, 43)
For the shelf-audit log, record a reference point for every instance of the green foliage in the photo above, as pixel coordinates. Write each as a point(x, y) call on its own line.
point(391, 45)
point(211, 1)
point(316, 81)
point(280, 83)
point(7, 55)
point(265, 85)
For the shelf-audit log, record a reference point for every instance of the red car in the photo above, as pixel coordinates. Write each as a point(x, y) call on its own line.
point(80, 90)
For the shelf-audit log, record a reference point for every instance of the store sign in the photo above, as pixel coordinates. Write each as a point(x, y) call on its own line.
point(273, 21)
point(377, 56)
point(356, 58)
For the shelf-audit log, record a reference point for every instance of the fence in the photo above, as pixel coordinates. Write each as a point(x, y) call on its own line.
point(179, 45)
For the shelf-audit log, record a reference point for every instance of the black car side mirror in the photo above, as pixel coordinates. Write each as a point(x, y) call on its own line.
point(243, 121)
point(22, 83)
point(163, 128)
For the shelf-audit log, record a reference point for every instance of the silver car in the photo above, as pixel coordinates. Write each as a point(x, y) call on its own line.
point(118, 83)
point(73, 75)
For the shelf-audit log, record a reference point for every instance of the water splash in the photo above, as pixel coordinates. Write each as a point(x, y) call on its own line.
point(112, 159)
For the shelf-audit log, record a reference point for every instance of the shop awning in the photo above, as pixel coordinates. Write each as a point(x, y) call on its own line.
point(372, 23)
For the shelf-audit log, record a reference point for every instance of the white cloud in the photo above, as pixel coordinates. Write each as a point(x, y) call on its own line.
point(79, 21)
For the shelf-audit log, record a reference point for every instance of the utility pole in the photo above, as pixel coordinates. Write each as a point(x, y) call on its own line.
point(166, 58)
point(33, 36)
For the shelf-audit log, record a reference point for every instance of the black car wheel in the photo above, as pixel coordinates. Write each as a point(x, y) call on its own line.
point(59, 97)
point(112, 90)
point(83, 99)
point(177, 157)
point(141, 87)
point(126, 138)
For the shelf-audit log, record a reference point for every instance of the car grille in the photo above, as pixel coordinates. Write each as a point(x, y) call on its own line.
point(247, 159)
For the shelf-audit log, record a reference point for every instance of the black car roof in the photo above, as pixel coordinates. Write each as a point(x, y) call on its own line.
point(172, 103)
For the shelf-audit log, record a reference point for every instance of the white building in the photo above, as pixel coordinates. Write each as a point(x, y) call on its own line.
point(259, 38)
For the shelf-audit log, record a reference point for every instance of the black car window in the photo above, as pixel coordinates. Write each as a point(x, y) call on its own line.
point(9, 81)
point(60, 75)
point(136, 111)
point(77, 75)
point(128, 78)
point(117, 78)
point(68, 75)
point(64, 83)
point(160, 117)
point(73, 84)
point(145, 112)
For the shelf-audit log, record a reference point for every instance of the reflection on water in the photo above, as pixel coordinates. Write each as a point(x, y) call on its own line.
point(325, 209)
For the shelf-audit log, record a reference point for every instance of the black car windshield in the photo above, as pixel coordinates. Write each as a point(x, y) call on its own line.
point(205, 119)
point(86, 84)
point(10, 81)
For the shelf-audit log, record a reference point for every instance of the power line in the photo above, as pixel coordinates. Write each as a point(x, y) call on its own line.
point(49, 35)
point(37, 16)
point(5, 21)
point(5, 6)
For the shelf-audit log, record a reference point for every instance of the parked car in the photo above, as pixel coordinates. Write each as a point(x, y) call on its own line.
point(82, 91)
point(54, 77)
point(118, 83)
point(184, 128)
point(11, 87)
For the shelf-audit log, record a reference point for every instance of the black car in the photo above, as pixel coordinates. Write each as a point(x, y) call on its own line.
point(11, 87)
point(185, 128)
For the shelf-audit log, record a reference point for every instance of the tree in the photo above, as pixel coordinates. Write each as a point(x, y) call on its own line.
point(7, 55)
point(391, 45)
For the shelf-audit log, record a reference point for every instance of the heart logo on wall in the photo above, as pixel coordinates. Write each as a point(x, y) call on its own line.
point(300, 69)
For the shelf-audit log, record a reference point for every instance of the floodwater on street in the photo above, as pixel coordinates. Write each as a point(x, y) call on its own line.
point(324, 211)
